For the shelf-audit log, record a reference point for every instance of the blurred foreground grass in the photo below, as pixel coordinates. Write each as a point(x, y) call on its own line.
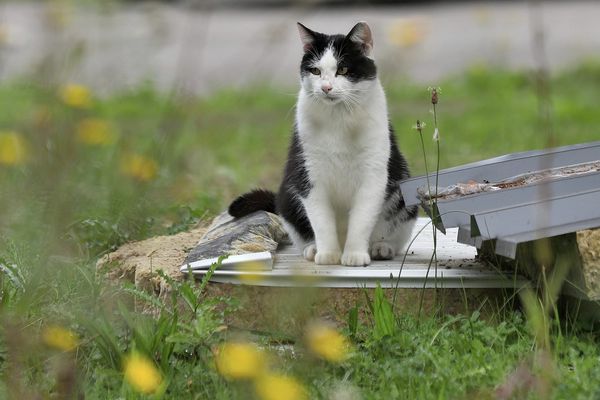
point(80, 175)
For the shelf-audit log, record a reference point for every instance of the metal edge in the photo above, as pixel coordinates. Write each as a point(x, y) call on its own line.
point(409, 186)
point(488, 201)
point(492, 281)
point(484, 224)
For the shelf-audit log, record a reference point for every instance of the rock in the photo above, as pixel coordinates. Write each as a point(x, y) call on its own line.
point(260, 231)
point(588, 244)
point(578, 253)
point(137, 262)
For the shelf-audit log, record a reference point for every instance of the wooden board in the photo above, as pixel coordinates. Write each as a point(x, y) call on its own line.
point(456, 268)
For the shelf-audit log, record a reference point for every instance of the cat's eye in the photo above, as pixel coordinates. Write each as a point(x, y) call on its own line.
point(315, 71)
point(342, 71)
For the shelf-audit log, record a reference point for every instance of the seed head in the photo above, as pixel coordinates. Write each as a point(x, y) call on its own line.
point(419, 126)
point(434, 96)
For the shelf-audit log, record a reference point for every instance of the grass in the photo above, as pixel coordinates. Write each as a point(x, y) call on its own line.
point(164, 162)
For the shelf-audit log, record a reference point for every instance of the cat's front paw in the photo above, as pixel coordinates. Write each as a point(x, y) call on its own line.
point(356, 258)
point(309, 252)
point(327, 257)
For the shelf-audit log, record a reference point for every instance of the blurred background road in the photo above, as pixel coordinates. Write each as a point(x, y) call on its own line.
point(200, 49)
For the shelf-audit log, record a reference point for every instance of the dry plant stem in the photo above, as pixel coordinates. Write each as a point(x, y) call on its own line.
point(433, 255)
point(437, 175)
point(406, 254)
point(432, 202)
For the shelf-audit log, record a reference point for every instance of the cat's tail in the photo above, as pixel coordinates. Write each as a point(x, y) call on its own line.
point(255, 200)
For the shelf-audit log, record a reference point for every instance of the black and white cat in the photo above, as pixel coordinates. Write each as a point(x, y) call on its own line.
point(340, 199)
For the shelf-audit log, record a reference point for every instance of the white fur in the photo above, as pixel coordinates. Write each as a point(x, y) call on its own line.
point(345, 139)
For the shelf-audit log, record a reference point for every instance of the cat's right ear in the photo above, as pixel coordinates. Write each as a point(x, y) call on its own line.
point(306, 36)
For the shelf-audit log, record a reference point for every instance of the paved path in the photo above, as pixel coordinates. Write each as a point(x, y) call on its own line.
point(200, 50)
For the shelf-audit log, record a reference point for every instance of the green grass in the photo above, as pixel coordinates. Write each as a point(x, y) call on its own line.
point(70, 202)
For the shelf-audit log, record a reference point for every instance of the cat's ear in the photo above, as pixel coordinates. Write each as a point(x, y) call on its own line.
point(306, 36)
point(361, 34)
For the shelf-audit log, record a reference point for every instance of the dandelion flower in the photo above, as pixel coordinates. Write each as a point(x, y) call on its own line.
point(139, 167)
point(3, 35)
point(419, 125)
point(60, 338)
point(279, 387)
point(408, 33)
point(59, 14)
point(240, 361)
point(95, 132)
point(13, 148)
point(249, 272)
point(141, 373)
point(76, 96)
point(327, 343)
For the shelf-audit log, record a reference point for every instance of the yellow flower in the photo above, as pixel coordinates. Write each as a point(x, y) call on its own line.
point(327, 343)
point(139, 167)
point(279, 387)
point(249, 272)
point(60, 338)
point(95, 132)
point(408, 33)
point(3, 35)
point(141, 373)
point(76, 96)
point(13, 148)
point(59, 13)
point(240, 361)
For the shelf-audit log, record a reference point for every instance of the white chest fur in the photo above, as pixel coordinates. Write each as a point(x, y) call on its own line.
point(345, 148)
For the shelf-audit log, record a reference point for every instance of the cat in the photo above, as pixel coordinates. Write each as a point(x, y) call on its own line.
point(340, 198)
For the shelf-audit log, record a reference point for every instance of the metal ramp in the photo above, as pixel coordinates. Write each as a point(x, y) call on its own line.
point(457, 268)
point(554, 205)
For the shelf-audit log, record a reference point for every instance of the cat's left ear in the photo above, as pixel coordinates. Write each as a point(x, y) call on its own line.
point(361, 34)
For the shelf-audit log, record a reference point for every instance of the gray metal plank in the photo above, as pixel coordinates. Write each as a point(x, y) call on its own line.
point(465, 237)
point(453, 278)
point(456, 212)
point(507, 245)
point(457, 268)
point(540, 219)
point(503, 167)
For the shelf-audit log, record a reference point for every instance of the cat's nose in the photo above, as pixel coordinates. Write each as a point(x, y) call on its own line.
point(326, 88)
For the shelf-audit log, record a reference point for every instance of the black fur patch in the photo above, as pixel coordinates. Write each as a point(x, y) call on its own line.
point(295, 183)
point(256, 200)
point(397, 172)
point(397, 166)
point(348, 53)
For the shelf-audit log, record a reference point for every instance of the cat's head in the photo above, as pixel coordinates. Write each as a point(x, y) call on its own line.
point(336, 68)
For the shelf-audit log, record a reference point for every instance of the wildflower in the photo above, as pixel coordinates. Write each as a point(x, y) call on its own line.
point(60, 338)
point(76, 96)
point(13, 148)
point(3, 35)
point(279, 387)
point(434, 95)
point(240, 361)
point(95, 132)
point(419, 125)
point(139, 167)
point(408, 33)
point(141, 373)
point(327, 343)
point(249, 272)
